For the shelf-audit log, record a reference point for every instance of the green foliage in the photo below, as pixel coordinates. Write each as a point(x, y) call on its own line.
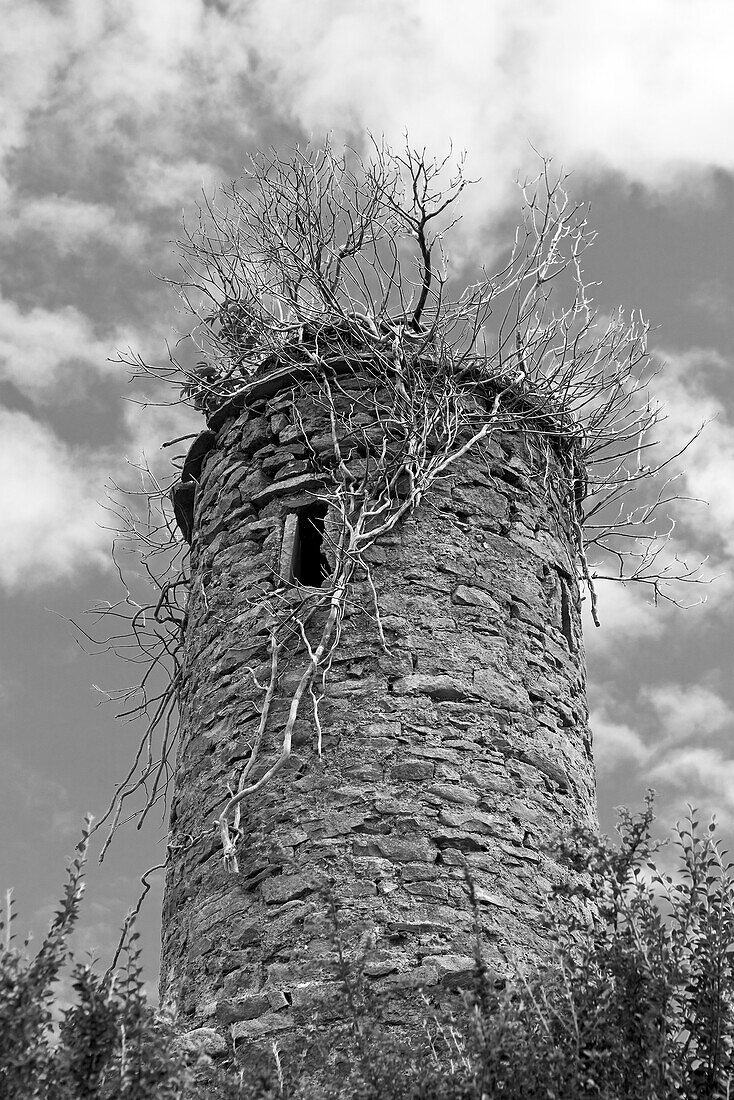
point(635, 1004)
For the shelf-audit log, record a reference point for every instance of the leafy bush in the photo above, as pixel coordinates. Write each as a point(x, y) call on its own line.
point(634, 1004)
point(637, 1002)
point(109, 1043)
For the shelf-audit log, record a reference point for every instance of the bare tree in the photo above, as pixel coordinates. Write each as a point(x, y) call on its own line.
point(324, 258)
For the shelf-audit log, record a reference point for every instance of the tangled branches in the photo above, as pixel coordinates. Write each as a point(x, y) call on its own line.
point(306, 264)
point(348, 254)
point(146, 634)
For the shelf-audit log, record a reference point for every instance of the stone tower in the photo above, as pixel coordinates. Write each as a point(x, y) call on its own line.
point(446, 726)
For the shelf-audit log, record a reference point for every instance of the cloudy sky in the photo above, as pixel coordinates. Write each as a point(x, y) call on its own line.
point(114, 116)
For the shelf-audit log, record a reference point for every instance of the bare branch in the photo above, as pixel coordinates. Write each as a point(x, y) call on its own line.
point(326, 258)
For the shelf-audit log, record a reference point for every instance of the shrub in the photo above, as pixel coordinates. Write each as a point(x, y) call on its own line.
point(637, 1000)
point(635, 1003)
point(109, 1043)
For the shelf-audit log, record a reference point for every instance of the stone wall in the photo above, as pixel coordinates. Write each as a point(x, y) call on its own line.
point(466, 743)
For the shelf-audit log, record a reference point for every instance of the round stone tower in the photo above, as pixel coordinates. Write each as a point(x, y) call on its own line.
point(443, 729)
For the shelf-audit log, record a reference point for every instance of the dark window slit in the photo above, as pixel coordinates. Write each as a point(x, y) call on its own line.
point(566, 620)
point(309, 565)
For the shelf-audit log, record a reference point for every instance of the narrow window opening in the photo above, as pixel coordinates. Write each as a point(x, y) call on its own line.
point(566, 620)
point(309, 565)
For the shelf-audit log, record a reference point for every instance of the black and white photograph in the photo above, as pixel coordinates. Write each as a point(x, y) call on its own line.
point(367, 495)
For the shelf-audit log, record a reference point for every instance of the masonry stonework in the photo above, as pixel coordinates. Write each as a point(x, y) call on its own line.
point(461, 742)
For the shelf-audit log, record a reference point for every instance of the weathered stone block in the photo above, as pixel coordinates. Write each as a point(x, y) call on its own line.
point(442, 688)
point(471, 821)
point(309, 994)
point(486, 897)
point(266, 1025)
point(413, 871)
point(377, 968)
point(495, 686)
point(420, 977)
point(432, 891)
point(414, 771)
point(285, 887)
point(267, 491)
point(457, 970)
point(396, 849)
point(255, 434)
point(474, 597)
point(202, 1040)
point(452, 792)
point(243, 1008)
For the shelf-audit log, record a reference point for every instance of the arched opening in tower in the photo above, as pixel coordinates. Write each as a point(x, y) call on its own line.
point(309, 565)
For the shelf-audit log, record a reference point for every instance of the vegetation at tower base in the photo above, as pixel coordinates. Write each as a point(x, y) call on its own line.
point(373, 639)
point(636, 1005)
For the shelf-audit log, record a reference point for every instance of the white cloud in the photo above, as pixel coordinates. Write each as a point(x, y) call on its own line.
point(615, 744)
point(708, 464)
point(168, 184)
point(688, 713)
point(662, 744)
point(34, 43)
point(120, 87)
point(617, 87)
point(153, 425)
point(129, 52)
point(704, 775)
point(53, 523)
point(70, 224)
point(698, 503)
point(153, 64)
point(48, 501)
point(695, 520)
point(38, 346)
point(625, 612)
point(149, 39)
point(644, 92)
